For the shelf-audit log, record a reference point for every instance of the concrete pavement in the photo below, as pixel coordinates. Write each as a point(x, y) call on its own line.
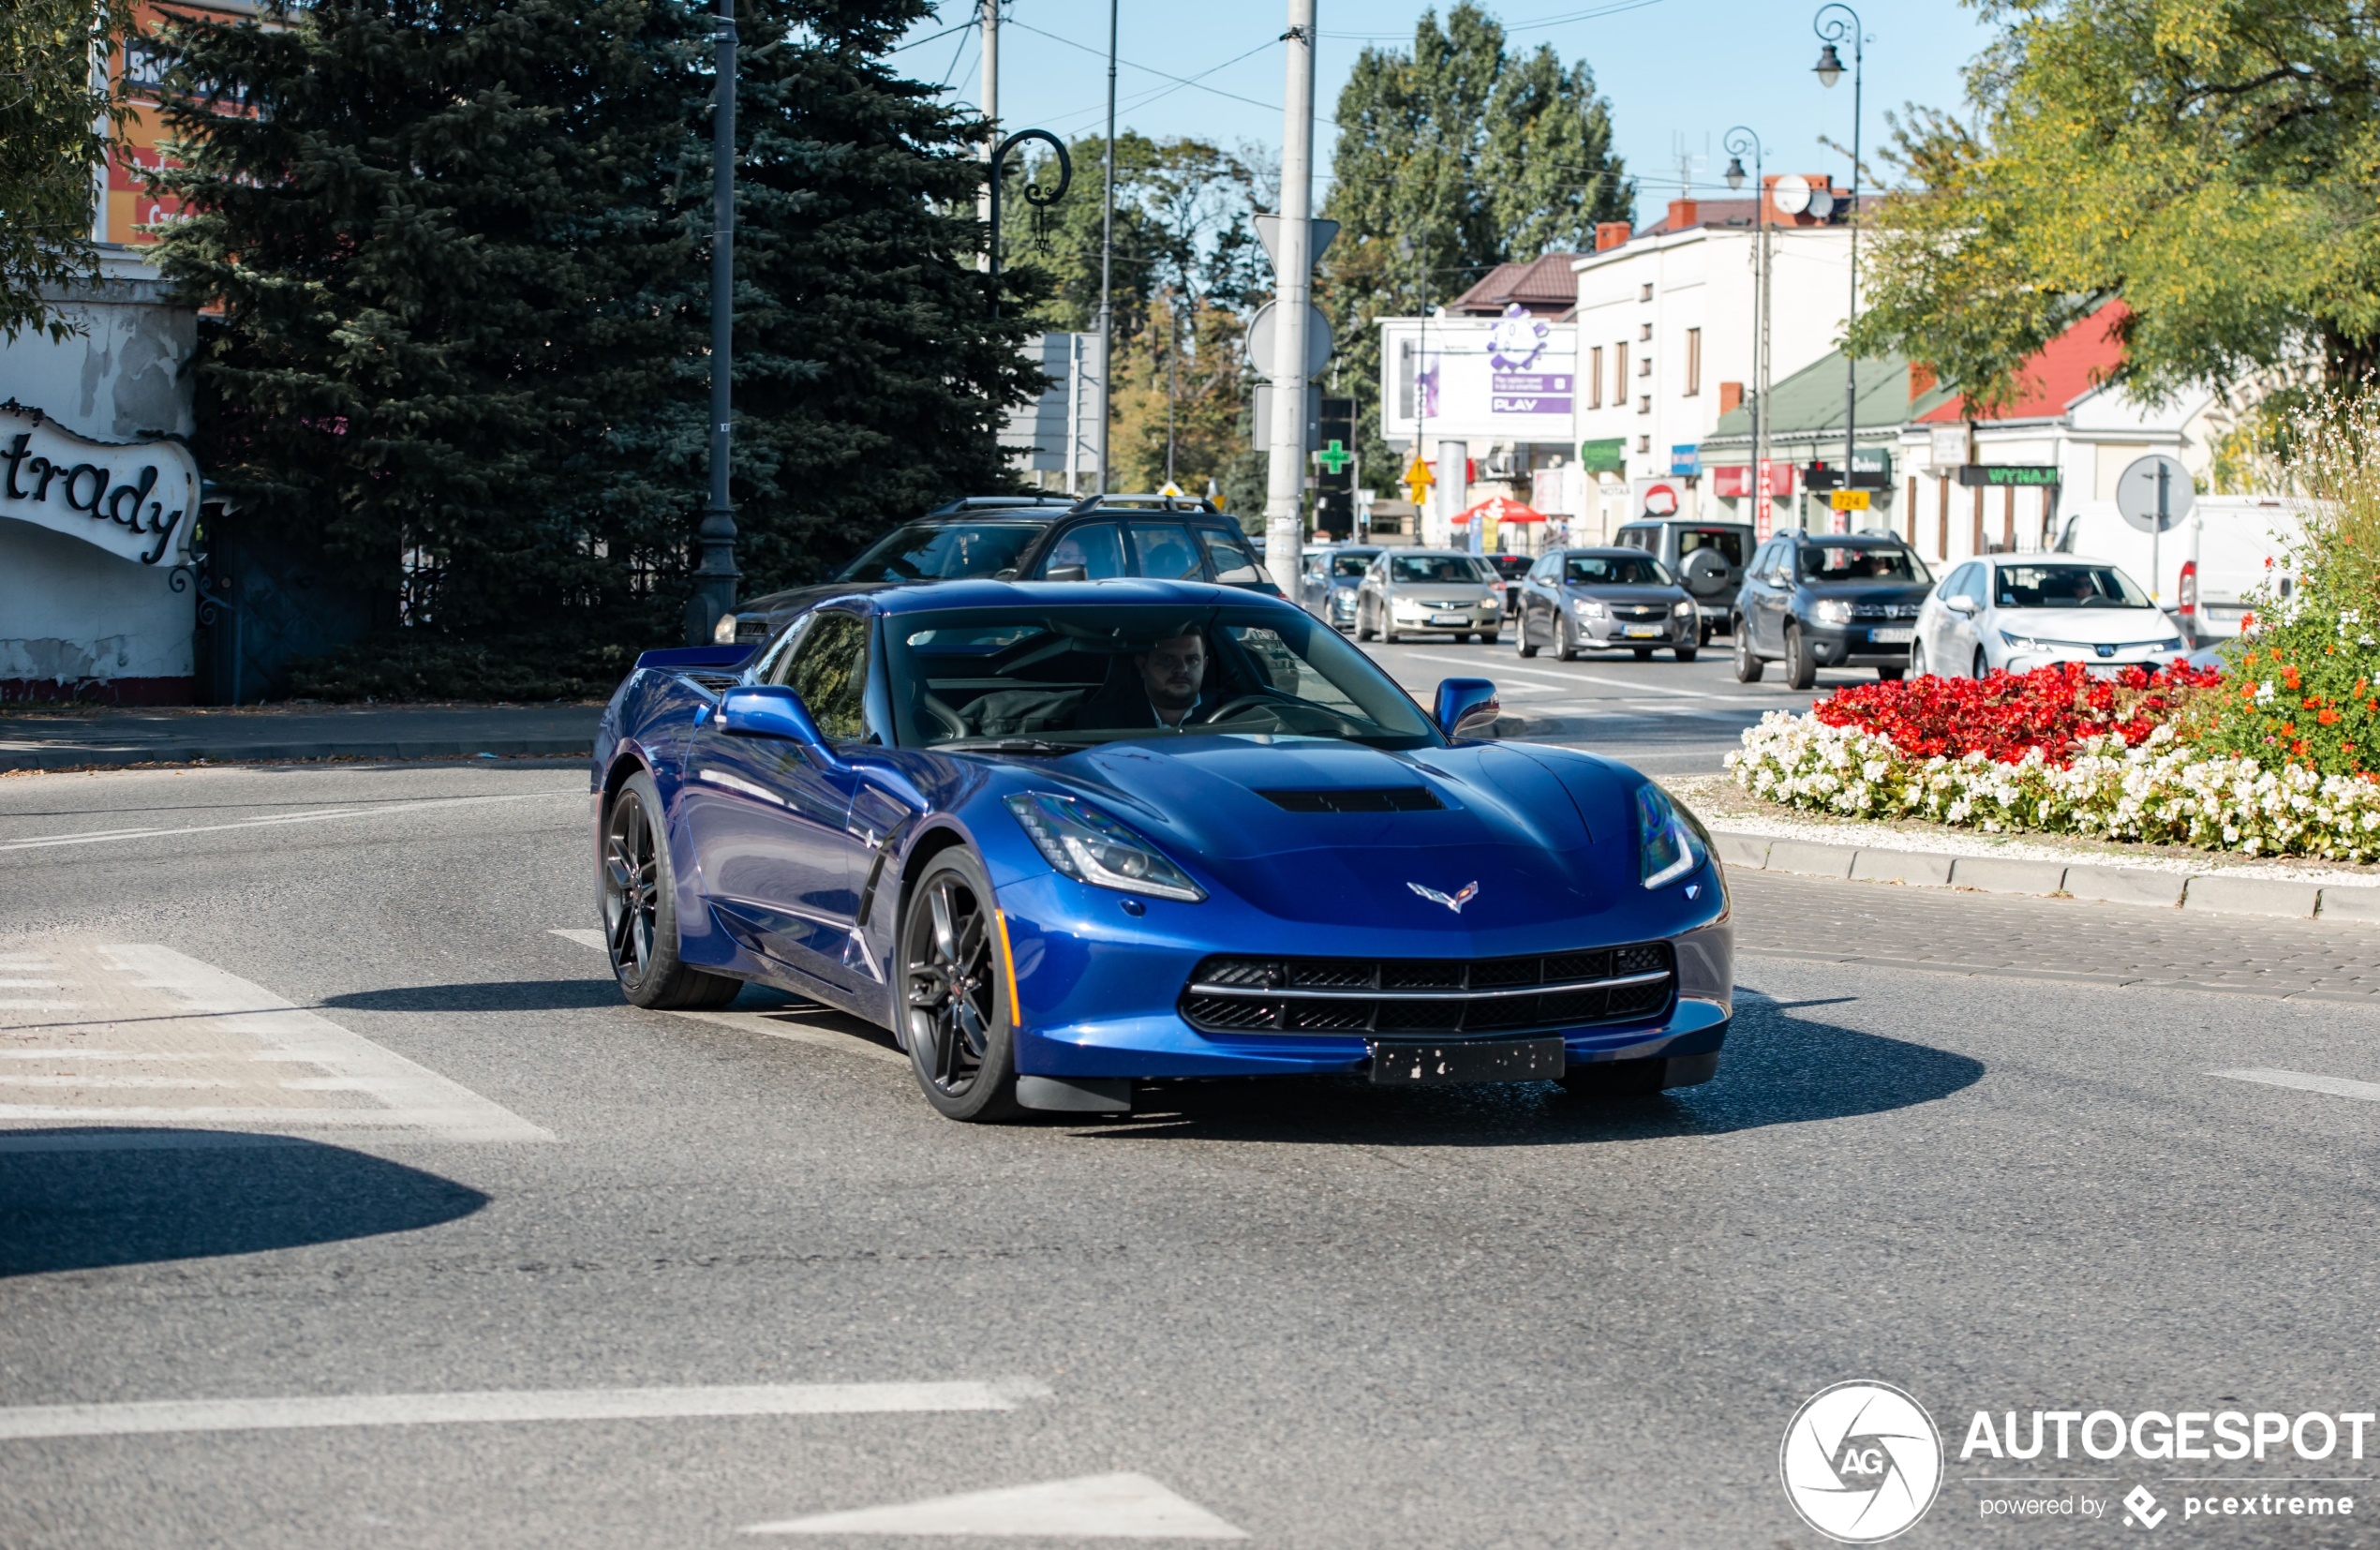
point(1303, 1312)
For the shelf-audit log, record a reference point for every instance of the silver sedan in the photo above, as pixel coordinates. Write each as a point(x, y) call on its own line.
point(1425, 593)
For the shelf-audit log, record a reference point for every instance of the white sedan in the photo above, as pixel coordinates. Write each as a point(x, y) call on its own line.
point(2017, 612)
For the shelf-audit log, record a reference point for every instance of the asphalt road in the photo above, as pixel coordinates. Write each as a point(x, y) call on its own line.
point(1663, 716)
point(1306, 1313)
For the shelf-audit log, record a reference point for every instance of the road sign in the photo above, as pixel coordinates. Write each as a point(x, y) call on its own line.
point(2009, 475)
point(1848, 501)
point(1317, 342)
point(2155, 493)
point(1418, 479)
point(1269, 233)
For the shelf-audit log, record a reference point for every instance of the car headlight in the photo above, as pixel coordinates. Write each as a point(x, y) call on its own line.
point(1670, 839)
point(1683, 609)
point(2021, 643)
point(723, 633)
point(1833, 610)
point(1589, 608)
point(1091, 847)
point(2171, 643)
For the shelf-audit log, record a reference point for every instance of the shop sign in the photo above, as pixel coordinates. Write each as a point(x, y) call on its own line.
point(136, 501)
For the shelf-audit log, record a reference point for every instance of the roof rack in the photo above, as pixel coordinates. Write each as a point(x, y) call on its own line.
point(999, 502)
point(1157, 502)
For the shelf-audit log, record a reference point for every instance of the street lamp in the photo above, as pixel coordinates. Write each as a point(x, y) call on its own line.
point(1033, 197)
point(1833, 29)
point(1740, 140)
point(710, 613)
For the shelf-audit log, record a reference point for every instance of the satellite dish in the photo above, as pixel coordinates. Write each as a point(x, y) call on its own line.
point(1791, 193)
point(1822, 203)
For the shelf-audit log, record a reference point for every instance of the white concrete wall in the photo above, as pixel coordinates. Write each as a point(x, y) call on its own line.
point(71, 612)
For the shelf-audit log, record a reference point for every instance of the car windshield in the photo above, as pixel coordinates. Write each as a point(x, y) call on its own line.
point(1071, 675)
point(1861, 562)
point(1350, 565)
point(1427, 568)
point(943, 551)
point(1615, 571)
point(2068, 586)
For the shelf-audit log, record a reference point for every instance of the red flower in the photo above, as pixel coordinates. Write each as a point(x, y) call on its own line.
point(2003, 716)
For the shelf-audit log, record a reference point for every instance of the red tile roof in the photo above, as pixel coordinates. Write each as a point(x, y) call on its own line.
point(1543, 286)
point(2059, 372)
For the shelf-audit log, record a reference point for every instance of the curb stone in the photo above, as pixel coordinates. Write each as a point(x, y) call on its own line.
point(2206, 894)
point(74, 758)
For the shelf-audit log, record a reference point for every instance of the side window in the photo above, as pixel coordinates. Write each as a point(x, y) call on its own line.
point(1762, 559)
point(1162, 551)
point(772, 668)
point(1967, 583)
point(1235, 563)
point(1096, 548)
point(829, 671)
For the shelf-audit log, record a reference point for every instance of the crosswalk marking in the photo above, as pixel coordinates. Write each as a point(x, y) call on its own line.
point(310, 1411)
point(1117, 1506)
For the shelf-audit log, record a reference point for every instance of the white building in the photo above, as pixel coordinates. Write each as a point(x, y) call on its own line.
point(1667, 328)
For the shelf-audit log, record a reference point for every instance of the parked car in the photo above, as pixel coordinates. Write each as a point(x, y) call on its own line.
point(1509, 569)
point(1427, 592)
point(2207, 568)
point(1033, 538)
point(2017, 612)
point(1603, 600)
point(1817, 600)
point(1328, 588)
point(1707, 559)
point(1060, 839)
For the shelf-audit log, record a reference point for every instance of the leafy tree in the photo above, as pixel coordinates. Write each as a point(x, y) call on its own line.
point(50, 149)
point(1452, 158)
point(2213, 166)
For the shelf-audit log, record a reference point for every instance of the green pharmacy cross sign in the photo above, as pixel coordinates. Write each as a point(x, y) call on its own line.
point(1334, 458)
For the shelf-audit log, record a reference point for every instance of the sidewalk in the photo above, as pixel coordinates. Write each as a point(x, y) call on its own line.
point(66, 740)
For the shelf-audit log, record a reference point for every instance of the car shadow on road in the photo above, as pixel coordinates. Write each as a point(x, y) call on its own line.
point(1779, 1069)
point(86, 1198)
point(498, 995)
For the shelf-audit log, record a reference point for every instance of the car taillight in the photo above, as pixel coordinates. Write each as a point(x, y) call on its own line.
point(2188, 591)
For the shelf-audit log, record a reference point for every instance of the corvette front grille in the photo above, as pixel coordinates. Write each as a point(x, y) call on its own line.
point(1434, 997)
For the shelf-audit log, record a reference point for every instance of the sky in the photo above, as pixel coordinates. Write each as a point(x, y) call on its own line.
point(1679, 74)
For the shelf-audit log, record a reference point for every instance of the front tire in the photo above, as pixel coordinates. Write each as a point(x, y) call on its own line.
point(1917, 669)
point(1890, 675)
point(1567, 646)
point(1749, 667)
point(1362, 631)
point(638, 890)
point(1686, 653)
point(1982, 663)
point(960, 1030)
point(1644, 653)
point(1801, 667)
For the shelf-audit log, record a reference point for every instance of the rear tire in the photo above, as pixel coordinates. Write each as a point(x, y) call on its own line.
point(638, 891)
point(1749, 667)
point(958, 1023)
point(1801, 667)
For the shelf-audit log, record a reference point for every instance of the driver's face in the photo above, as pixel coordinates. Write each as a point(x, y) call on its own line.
point(1173, 671)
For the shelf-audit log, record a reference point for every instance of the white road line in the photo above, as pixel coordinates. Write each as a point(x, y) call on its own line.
point(418, 1097)
point(584, 936)
point(414, 1410)
point(1577, 677)
point(101, 836)
point(7, 1080)
point(2336, 1086)
point(1117, 1506)
point(110, 1055)
point(23, 1006)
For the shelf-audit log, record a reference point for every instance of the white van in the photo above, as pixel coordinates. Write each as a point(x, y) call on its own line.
point(2205, 568)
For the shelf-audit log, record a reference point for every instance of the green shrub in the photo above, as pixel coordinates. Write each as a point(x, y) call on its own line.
point(401, 665)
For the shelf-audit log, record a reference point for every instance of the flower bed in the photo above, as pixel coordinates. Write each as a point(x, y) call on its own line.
point(2005, 716)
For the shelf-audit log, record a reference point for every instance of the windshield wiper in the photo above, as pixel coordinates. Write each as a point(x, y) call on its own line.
point(1009, 745)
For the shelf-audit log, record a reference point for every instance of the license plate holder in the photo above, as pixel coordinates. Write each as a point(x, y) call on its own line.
point(1407, 1063)
point(1449, 619)
point(1892, 638)
point(1641, 632)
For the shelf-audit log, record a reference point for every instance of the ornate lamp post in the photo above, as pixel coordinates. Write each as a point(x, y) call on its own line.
point(1033, 196)
point(1833, 29)
point(1740, 140)
point(711, 615)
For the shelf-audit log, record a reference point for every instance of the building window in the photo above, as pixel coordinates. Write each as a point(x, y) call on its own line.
point(1619, 372)
point(1645, 330)
point(1646, 294)
point(1644, 365)
point(1595, 378)
point(1645, 404)
point(1644, 443)
point(1693, 361)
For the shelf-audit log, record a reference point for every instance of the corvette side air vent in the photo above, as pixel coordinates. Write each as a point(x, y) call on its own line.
point(1386, 798)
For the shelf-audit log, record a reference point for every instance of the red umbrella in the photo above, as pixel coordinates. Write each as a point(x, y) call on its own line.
point(1500, 508)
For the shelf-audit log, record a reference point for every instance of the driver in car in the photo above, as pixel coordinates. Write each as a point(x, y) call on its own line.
point(1162, 689)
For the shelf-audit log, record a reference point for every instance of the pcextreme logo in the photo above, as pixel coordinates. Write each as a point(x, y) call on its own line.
point(1861, 1462)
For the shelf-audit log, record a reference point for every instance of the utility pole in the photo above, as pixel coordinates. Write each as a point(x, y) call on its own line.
point(991, 119)
point(1292, 298)
point(1108, 254)
point(714, 600)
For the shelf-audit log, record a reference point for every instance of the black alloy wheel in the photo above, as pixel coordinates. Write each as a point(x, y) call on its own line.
point(1749, 667)
point(638, 893)
point(961, 1043)
point(1801, 665)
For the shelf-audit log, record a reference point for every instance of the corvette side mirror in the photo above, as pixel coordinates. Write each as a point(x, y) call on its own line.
point(1468, 707)
point(770, 711)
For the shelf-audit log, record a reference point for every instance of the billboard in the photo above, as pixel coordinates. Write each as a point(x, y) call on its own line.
point(1507, 379)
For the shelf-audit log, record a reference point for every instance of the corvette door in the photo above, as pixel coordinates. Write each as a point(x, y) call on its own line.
point(769, 819)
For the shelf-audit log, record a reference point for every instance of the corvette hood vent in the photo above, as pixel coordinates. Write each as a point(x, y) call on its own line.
point(1387, 798)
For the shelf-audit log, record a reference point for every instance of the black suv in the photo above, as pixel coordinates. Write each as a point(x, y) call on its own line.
point(1818, 599)
point(1035, 538)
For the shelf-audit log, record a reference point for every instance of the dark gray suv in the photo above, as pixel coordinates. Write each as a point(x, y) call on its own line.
point(1818, 601)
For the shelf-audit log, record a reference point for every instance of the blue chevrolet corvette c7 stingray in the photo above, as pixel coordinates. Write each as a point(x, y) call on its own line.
point(1059, 837)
